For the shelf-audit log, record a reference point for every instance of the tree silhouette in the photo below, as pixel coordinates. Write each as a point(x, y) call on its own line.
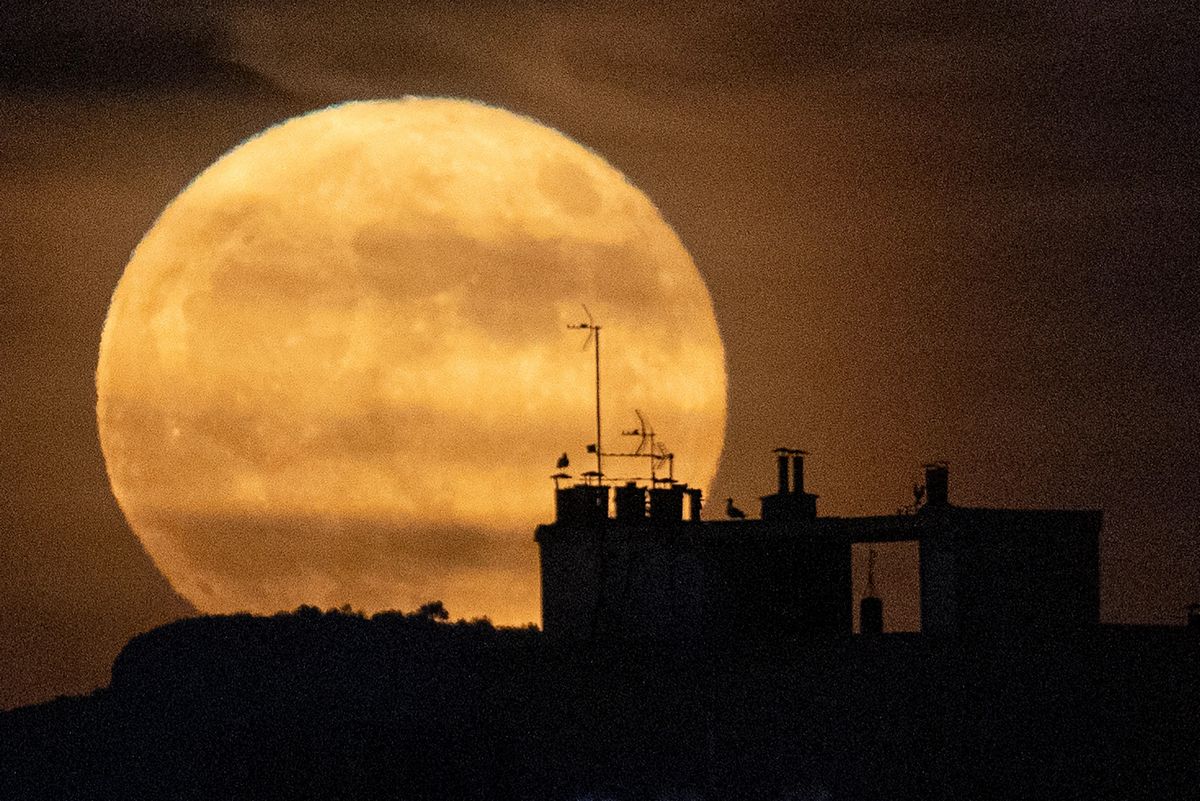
point(434, 610)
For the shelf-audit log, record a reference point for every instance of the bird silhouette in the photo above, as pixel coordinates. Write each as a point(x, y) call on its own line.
point(563, 461)
point(733, 511)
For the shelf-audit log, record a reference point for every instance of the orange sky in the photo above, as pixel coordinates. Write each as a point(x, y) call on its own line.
point(928, 232)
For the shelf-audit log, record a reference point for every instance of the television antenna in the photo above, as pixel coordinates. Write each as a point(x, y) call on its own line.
point(593, 337)
point(649, 448)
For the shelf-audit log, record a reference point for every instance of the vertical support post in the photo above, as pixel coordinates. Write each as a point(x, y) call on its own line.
point(599, 467)
point(594, 331)
point(870, 609)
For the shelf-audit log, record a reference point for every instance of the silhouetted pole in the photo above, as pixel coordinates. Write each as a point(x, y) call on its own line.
point(870, 609)
point(594, 331)
point(599, 469)
point(602, 567)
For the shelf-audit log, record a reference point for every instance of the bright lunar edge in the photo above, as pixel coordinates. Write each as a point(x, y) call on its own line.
point(337, 369)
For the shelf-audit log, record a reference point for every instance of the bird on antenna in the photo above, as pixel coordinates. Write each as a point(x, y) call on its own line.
point(563, 462)
point(732, 511)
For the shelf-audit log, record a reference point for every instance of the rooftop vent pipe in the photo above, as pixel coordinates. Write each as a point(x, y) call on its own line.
point(937, 484)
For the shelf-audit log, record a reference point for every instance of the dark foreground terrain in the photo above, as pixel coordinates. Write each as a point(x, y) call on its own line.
point(333, 705)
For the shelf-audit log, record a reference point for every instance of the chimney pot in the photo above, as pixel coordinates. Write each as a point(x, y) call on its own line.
point(797, 474)
point(937, 484)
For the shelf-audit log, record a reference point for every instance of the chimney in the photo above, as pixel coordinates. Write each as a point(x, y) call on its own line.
point(694, 503)
point(781, 454)
point(937, 484)
point(797, 472)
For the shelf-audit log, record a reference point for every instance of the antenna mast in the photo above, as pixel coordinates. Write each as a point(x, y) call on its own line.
point(594, 332)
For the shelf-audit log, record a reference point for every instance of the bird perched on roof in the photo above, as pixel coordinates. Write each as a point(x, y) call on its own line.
point(732, 511)
point(563, 461)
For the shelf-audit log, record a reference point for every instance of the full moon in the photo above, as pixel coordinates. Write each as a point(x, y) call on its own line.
point(338, 369)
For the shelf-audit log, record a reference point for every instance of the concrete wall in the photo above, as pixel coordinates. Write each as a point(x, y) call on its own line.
point(983, 572)
point(989, 572)
point(652, 583)
point(718, 582)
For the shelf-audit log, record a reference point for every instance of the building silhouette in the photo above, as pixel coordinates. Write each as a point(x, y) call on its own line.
point(1012, 688)
point(679, 658)
point(654, 570)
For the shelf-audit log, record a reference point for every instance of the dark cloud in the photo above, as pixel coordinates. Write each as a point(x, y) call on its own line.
point(118, 47)
point(709, 46)
point(990, 93)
